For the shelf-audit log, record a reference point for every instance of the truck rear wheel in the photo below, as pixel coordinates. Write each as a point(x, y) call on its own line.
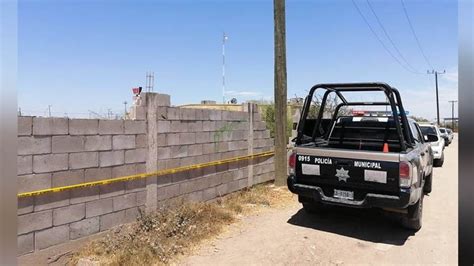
point(412, 220)
point(428, 182)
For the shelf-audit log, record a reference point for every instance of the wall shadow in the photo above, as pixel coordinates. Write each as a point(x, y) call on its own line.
point(364, 224)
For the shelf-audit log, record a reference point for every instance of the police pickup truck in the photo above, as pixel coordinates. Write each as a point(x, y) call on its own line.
point(361, 161)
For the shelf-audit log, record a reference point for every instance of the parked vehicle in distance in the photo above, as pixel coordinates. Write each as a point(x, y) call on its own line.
point(450, 134)
point(361, 161)
point(445, 135)
point(437, 146)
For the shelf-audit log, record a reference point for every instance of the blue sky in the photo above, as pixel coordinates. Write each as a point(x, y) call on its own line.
point(87, 55)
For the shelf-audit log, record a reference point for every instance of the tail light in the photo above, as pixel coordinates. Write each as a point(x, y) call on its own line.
point(405, 174)
point(292, 163)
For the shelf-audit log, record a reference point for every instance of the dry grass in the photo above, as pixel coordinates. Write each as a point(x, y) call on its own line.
point(158, 238)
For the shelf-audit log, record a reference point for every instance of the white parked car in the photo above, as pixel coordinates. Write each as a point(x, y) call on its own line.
point(438, 146)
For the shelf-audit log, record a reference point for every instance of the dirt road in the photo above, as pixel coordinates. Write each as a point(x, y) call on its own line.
point(344, 236)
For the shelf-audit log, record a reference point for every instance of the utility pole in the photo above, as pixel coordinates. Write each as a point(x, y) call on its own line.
point(125, 113)
point(49, 110)
point(437, 98)
point(452, 112)
point(224, 38)
point(280, 92)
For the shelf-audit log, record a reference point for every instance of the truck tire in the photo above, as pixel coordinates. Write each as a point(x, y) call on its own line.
point(439, 162)
point(428, 182)
point(312, 207)
point(412, 220)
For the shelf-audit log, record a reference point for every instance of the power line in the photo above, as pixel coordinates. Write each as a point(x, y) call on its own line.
point(416, 37)
point(390, 39)
point(381, 42)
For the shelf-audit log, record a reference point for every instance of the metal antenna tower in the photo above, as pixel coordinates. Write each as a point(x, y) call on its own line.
point(150, 81)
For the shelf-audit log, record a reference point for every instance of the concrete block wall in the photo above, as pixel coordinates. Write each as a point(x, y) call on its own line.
point(55, 152)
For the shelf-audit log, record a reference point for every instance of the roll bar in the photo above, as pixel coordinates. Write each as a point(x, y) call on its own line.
point(392, 94)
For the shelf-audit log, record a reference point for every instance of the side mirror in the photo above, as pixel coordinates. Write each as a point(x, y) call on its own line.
point(431, 138)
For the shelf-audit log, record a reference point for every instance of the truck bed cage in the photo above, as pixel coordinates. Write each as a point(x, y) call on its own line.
point(392, 94)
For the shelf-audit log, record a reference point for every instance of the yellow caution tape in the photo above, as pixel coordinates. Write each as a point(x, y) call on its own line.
point(145, 175)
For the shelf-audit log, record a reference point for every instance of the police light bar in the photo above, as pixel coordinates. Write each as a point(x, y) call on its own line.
point(358, 113)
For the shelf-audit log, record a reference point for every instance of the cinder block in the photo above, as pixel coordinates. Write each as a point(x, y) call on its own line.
point(111, 127)
point(83, 160)
point(173, 113)
point(135, 127)
point(99, 207)
point(51, 200)
point(194, 150)
point(208, 125)
point(222, 189)
point(34, 221)
point(69, 214)
point(83, 126)
point(34, 145)
point(50, 126)
point(110, 158)
point(124, 170)
point(177, 152)
point(187, 114)
point(51, 237)
point(131, 214)
point(164, 153)
point(199, 114)
point(110, 220)
point(25, 125)
point(66, 178)
point(111, 190)
point(209, 193)
point(206, 114)
point(24, 164)
point(96, 174)
point(202, 137)
point(195, 126)
point(141, 198)
point(125, 201)
point(178, 126)
point(25, 244)
point(163, 126)
point(208, 148)
point(162, 113)
point(64, 144)
point(25, 205)
point(84, 228)
point(135, 185)
point(187, 138)
point(215, 115)
point(50, 163)
point(123, 142)
point(98, 143)
point(226, 115)
point(168, 192)
point(85, 194)
point(195, 196)
point(141, 140)
point(172, 139)
point(163, 100)
point(135, 156)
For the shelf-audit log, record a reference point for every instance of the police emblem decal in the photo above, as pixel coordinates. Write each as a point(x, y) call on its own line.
point(342, 174)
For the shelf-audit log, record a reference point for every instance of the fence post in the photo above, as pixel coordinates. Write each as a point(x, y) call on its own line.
point(250, 109)
point(152, 151)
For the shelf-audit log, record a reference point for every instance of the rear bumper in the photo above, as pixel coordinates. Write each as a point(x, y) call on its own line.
point(406, 197)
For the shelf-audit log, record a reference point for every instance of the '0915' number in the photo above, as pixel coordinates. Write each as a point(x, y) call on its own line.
point(303, 158)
